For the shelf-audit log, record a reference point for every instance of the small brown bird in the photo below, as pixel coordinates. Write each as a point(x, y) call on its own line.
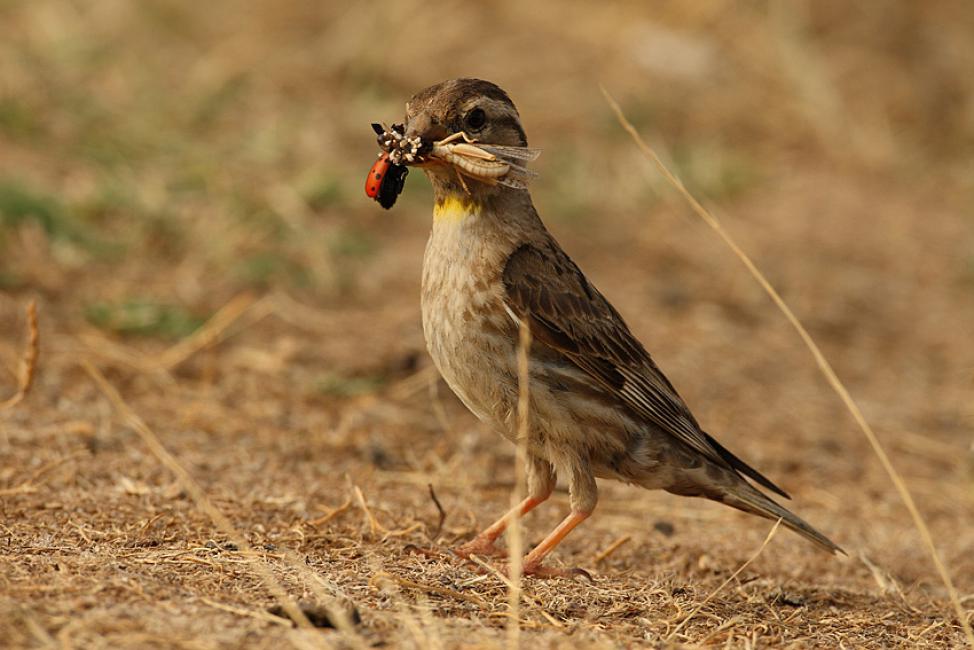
point(599, 406)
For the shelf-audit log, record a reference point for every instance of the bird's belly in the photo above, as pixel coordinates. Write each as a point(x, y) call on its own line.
point(475, 350)
point(472, 346)
point(468, 332)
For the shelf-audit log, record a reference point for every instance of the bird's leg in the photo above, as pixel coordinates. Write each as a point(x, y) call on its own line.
point(584, 496)
point(541, 483)
point(484, 543)
point(453, 137)
point(462, 182)
point(532, 562)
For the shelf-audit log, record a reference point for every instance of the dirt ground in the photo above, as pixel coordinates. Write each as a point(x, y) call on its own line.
point(181, 194)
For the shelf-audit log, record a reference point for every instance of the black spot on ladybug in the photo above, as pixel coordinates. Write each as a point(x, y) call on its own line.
point(378, 177)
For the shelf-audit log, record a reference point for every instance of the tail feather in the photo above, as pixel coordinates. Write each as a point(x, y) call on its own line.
point(747, 498)
point(743, 467)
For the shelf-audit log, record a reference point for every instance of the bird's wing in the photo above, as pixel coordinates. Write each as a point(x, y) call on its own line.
point(568, 314)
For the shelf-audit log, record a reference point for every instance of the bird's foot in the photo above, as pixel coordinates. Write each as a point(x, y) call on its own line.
point(479, 546)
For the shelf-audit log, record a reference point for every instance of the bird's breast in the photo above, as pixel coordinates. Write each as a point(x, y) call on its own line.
point(469, 334)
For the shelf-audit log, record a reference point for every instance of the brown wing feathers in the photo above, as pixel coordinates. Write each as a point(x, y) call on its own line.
point(568, 314)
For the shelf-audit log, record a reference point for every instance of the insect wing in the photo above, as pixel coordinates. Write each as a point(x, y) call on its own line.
point(392, 185)
point(517, 177)
point(511, 153)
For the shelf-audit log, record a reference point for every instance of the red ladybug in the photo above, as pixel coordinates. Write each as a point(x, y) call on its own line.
point(385, 181)
point(376, 175)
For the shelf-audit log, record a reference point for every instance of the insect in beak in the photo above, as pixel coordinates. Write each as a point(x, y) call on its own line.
point(386, 179)
point(489, 164)
point(402, 150)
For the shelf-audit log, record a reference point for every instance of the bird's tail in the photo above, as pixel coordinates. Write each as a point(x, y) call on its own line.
point(745, 497)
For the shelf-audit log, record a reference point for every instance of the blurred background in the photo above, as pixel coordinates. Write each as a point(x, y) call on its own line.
point(195, 150)
point(161, 159)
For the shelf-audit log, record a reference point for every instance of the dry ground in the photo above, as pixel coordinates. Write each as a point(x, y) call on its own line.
point(162, 160)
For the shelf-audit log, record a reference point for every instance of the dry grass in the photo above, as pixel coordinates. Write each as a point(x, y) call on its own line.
point(28, 365)
point(823, 364)
point(180, 193)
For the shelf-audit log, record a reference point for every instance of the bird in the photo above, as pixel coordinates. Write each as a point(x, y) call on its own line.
point(598, 405)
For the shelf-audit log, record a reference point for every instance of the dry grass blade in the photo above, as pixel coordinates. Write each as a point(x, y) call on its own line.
point(710, 596)
point(433, 589)
point(240, 611)
point(823, 364)
point(374, 526)
point(331, 599)
point(510, 585)
point(199, 497)
point(515, 538)
point(612, 548)
point(28, 365)
point(324, 519)
point(211, 331)
point(439, 509)
point(887, 584)
point(33, 483)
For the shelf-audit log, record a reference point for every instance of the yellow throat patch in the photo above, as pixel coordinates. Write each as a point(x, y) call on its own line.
point(455, 208)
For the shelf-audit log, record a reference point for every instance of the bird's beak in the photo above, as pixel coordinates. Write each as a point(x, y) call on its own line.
point(428, 130)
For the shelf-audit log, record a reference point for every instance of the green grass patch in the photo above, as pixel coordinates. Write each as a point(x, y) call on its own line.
point(352, 242)
point(213, 105)
point(716, 172)
point(338, 385)
point(267, 268)
point(17, 120)
point(322, 193)
point(10, 281)
point(19, 204)
point(143, 317)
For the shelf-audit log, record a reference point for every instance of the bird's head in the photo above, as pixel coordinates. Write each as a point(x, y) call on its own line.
point(468, 114)
point(478, 108)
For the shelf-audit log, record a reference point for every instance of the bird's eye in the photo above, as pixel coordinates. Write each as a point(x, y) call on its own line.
point(476, 119)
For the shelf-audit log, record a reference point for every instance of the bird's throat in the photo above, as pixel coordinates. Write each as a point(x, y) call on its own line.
point(455, 208)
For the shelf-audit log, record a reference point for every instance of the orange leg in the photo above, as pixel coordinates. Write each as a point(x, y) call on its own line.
point(483, 544)
point(532, 562)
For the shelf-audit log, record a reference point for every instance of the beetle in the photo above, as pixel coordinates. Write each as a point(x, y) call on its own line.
point(385, 181)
